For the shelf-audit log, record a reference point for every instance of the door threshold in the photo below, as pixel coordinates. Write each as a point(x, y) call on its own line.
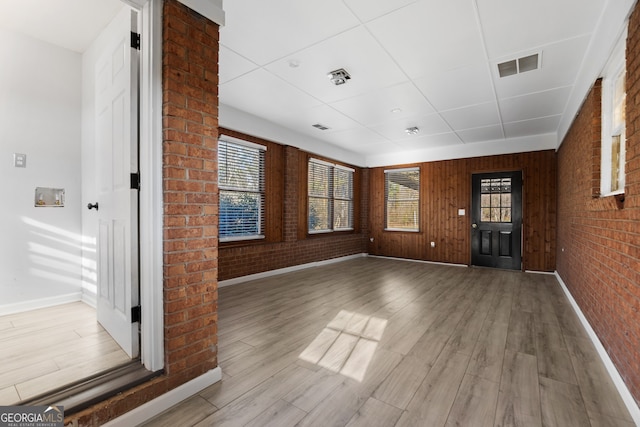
point(89, 391)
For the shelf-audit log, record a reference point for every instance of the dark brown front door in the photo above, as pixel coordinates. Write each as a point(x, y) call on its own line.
point(496, 215)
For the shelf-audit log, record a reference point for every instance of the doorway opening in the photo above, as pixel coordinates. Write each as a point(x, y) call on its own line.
point(71, 273)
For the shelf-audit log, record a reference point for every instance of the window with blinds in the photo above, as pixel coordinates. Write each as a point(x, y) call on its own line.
point(241, 183)
point(330, 191)
point(402, 199)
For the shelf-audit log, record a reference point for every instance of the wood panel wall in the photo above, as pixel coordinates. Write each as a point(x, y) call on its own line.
point(445, 187)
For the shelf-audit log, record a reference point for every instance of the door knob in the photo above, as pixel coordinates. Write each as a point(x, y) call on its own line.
point(92, 206)
point(474, 225)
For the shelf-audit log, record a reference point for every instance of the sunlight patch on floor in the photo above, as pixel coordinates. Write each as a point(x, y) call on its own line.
point(347, 344)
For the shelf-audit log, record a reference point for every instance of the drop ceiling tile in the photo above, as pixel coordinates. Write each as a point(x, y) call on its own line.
point(357, 137)
point(232, 65)
point(487, 133)
point(532, 127)
point(303, 119)
point(472, 117)
point(264, 31)
point(367, 10)
point(429, 141)
point(535, 105)
point(512, 26)
point(264, 95)
point(390, 103)
point(457, 88)
point(426, 36)
point(559, 66)
point(356, 51)
point(428, 125)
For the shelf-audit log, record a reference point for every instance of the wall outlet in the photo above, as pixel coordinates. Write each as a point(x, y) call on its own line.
point(433, 244)
point(19, 160)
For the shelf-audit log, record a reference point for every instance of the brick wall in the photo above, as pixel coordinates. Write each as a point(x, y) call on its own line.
point(599, 237)
point(190, 70)
point(292, 246)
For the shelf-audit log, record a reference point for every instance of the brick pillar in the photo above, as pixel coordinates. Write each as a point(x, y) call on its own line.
point(291, 176)
point(190, 131)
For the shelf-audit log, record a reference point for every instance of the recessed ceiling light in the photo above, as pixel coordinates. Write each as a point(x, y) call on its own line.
point(412, 130)
point(339, 76)
point(396, 110)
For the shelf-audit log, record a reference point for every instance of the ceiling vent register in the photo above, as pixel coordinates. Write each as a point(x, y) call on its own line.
point(520, 65)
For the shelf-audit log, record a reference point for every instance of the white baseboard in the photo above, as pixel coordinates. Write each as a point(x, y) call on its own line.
point(35, 304)
point(163, 402)
point(629, 401)
point(270, 273)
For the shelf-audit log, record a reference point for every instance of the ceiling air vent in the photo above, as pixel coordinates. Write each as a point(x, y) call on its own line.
point(319, 126)
point(520, 65)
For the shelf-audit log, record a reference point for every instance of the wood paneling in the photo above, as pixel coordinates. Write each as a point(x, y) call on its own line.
point(445, 187)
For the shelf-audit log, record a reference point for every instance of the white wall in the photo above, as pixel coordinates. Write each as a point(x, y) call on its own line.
point(40, 248)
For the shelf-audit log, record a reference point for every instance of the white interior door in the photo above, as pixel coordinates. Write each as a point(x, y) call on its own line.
point(117, 150)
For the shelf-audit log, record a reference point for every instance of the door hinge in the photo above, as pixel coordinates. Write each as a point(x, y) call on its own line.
point(135, 40)
point(136, 314)
point(135, 181)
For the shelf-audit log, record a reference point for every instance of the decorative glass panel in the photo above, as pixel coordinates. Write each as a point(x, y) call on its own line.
point(495, 200)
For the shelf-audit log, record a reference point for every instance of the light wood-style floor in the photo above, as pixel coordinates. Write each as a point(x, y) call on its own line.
point(41, 350)
point(380, 342)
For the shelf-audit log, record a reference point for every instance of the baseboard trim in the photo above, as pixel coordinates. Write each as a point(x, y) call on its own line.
point(35, 304)
point(629, 401)
point(169, 399)
point(242, 279)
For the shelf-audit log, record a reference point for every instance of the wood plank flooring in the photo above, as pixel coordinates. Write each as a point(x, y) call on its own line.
point(41, 350)
point(381, 342)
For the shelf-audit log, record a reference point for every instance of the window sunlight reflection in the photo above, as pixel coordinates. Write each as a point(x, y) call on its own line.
point(347, 344)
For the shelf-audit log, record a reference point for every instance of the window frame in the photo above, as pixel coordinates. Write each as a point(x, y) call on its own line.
point(418, 200)
point(262, 221)
point(612, 73)
point(331, 198)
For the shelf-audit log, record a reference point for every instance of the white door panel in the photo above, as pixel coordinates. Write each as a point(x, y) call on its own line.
point(117, 148)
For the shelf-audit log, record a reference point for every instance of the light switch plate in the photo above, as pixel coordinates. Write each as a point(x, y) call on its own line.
point(19, 160)
point(461, 212)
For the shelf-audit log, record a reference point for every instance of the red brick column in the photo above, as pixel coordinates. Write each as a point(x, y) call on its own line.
point(190, 131)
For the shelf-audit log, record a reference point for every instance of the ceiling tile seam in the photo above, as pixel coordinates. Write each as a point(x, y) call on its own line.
point(536, 92)
point(410, 80)
point(531, 120)
point(535, 49)
point(257, 66)
point(379, 16)
point(483, 41)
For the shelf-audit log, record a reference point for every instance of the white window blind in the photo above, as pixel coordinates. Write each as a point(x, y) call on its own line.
point(241, 184)
point(402, 199)
point(330, 191)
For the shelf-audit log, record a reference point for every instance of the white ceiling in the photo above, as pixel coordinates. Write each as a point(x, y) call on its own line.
point(72, 24)
point(425, 63)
